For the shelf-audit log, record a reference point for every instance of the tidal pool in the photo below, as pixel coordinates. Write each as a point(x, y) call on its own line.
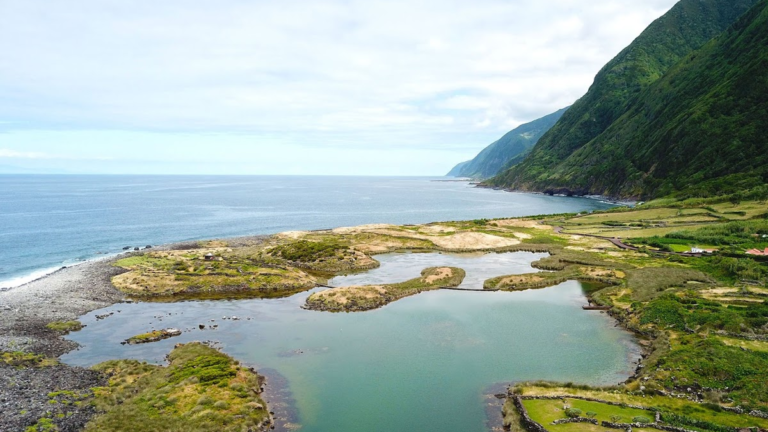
point(479, 266)
point(419, 364)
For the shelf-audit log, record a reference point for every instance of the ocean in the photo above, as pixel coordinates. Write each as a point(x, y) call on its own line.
point(50, 221)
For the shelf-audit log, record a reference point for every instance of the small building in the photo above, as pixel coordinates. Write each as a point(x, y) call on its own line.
point(702, 251)
point(208, 256)
point(757, 252)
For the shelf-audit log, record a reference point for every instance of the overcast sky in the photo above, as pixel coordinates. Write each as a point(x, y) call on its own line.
point(291, 86)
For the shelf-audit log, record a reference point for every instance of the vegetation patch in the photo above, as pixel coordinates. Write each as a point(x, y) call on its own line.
point(546, 411)
point(23, 360)
point(329, 254)
point(618, 405)
point(153, 336)
point(362, 298)
point(200, 390)
point(650, 282)
point(190, 273)
point(64, 327)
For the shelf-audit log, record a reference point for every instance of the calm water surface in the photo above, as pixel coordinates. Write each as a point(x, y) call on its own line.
point(400, 267)
point(419, 364)
point(50, 221)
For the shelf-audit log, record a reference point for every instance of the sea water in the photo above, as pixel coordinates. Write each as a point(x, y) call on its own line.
point(47, 221)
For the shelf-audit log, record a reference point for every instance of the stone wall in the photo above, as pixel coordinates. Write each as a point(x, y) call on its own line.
point(528, 423)
point(575, 420)
point(640, 407)
point(629, 426)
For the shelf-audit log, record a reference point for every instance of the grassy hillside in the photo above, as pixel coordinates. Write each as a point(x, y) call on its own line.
point(685, 28)
point(515, 143)
point(700, 130)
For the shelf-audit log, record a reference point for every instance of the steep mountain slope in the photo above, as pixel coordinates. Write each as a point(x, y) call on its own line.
point(458, 169)
point(686, 27)
point(702, 128)
point(517, 142)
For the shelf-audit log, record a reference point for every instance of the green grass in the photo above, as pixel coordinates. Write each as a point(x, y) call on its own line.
point(660, 90)
point(23, 360)
point(545, 411)
point(650, 282)
point(64, 327)
point(149, 337)
point(739, 374)
point(186, 274)
point(703, 412)
point(746, 344)
point(309, 251)
point(201, 390)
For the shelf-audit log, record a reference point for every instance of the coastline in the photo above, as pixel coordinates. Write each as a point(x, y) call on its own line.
point(596, 197)
point(66, 294)
point(73, 291)
point(62, 295)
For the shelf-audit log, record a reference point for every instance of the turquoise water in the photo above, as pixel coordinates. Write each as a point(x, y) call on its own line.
point(400, 267)
point(50, 221)
point(418, 364)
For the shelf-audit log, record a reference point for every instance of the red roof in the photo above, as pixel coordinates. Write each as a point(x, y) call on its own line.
point(757, 252)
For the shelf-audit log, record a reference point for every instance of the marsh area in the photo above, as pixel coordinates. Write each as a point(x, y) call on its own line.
point(420, 363)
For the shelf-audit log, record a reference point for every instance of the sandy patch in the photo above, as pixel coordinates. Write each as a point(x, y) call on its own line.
point(736, 299)
point(473, 240)
point(295, 235)
point(360, 228)
point(463, 240)
point(591, 243)
point(342, 295)
point(375, 248)
point(602, 272)
point(402, 234)
point(720, 291)
point(437, 229)
point(441, 273)
point(520, 224)
point(512, 280)
point(522, 236)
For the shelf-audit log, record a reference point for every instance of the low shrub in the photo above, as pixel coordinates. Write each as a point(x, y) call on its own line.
point(572, 412)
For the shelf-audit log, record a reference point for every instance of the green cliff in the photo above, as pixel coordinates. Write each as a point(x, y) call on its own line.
point(575, 157)
point(515, 143)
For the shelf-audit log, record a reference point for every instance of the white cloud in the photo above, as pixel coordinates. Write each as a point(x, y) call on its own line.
point(14, 154)
point(318, 73)
point(6, 153)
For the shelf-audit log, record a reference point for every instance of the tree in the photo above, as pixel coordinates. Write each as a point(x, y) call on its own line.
point(573, 413)
point(591, 414)
point(615, 418)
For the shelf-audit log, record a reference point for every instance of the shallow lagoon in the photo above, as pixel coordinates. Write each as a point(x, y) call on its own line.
point(419, 364)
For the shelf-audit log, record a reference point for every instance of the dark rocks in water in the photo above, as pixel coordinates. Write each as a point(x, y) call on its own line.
point(202, 326)
point(136, 248)
point(148, 247)
point(127, 248)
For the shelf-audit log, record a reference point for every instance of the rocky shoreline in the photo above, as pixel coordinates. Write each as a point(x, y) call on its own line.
point(565, 192)
point(25, 312)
